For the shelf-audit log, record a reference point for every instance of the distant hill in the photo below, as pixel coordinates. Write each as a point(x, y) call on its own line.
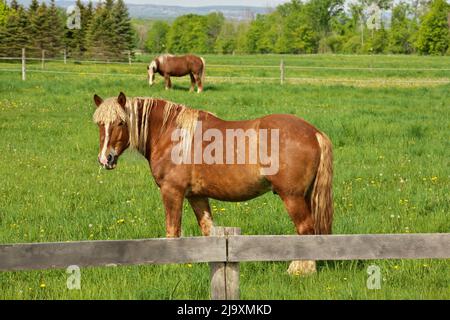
point(155, 11)
point(167, 12)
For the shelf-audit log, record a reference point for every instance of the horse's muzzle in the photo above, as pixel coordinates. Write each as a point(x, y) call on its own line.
point(111, 161)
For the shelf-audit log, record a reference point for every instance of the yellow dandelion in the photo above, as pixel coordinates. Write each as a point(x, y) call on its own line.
point(42, 285)
point(434, 179)
point(120, 221)
point(189, 265)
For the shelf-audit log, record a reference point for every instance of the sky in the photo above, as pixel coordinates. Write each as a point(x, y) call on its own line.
point(200, 3)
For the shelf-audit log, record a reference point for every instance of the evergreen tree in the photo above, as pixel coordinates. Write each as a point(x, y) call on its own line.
point(40, 26)
point(101, 37)
point(75, 39)
point(14, 34)
point(56, 33)
point(124, 34)
point(3, 12)
point(15, 5)
point(33, 8)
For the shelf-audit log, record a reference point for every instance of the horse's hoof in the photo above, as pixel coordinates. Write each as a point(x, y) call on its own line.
point(302, 268)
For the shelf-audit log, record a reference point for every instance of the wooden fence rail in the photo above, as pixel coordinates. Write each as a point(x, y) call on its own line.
point(224, 250)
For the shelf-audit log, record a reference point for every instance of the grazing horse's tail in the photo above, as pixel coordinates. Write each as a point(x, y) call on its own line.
point(203, 70)
point(321, 197)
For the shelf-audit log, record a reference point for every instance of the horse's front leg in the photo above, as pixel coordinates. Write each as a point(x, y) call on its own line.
point(173, 203)
point(167, 81)
point(192, 82)
point(202, 211)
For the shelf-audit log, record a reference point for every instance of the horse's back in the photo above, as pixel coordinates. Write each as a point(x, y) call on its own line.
point(284, 121)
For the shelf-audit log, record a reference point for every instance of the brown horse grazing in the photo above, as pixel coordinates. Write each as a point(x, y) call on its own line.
point(189, 160)
point(169, 65)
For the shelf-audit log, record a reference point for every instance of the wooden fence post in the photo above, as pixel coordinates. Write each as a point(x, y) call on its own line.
point(43, 59)
point(282, 71)
point(224, 275)
point(23, 65)
point(129, 57)
point(65, 56)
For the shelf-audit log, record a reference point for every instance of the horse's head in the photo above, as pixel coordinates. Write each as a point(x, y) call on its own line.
point(151, 70)
point(112, 121)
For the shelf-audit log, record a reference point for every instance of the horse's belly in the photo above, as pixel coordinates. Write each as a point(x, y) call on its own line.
point(229, 184)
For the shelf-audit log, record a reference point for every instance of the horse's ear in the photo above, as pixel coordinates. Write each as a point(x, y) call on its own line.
point(122, 99)
point(98, 101)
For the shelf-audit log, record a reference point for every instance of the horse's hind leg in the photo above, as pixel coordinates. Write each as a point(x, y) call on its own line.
point(192, 82)
point(203, 213)
point(300, 213)
point(198, 80)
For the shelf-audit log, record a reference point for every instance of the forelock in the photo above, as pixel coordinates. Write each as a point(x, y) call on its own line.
point(109, 111)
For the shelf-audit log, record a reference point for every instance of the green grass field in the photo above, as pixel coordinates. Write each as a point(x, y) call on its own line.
point(392, 175)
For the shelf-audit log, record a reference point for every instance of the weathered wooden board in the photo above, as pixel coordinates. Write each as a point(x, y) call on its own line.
point(339, 247)
point(214, 249)
point(115, 252)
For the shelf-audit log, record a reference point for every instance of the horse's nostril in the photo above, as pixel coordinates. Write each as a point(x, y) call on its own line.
point(109, 158)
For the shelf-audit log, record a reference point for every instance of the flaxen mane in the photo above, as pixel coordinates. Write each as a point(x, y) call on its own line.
point(140, 108)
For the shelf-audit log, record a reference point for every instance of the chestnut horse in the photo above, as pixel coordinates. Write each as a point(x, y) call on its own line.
point(302, 179)
point(168, 65)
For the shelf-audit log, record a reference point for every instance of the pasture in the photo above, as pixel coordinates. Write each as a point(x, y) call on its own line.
point(391, 149)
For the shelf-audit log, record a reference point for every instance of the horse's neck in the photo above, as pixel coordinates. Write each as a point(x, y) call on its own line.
point(156, 126)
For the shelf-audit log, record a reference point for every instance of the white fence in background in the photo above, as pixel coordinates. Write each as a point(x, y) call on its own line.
point(24, 69)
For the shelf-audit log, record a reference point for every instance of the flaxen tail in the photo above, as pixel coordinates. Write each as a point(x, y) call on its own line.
point(322, 196)
point(203, 70)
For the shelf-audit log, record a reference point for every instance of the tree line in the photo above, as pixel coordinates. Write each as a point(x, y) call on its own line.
point(314, 26)
point(296, 27)
point(104, 31)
